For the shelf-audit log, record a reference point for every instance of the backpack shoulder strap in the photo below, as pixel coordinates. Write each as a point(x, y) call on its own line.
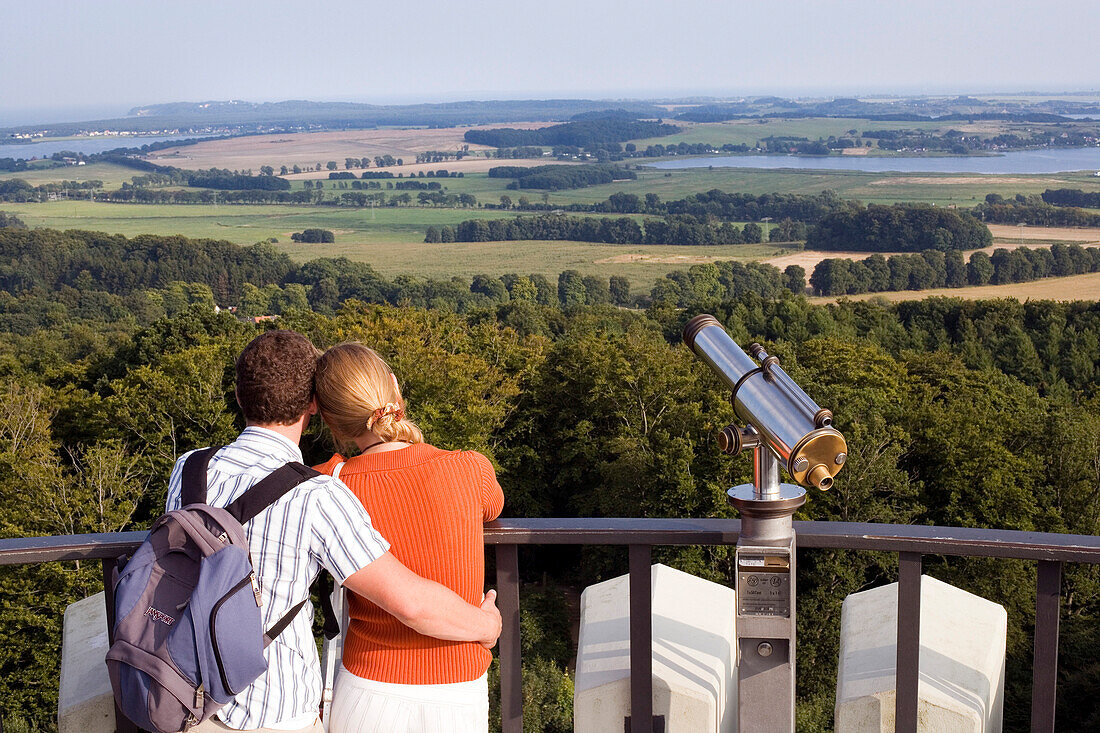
point(193, 481)
point(269, 490)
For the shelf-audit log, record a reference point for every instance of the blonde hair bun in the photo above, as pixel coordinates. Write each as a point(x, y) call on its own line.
point(357, 393)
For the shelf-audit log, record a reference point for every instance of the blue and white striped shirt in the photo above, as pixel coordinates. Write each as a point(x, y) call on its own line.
point(317, 524)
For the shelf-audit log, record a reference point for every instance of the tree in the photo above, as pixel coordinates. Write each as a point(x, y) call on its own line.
point(432, 235)
point(794, 279)
point(331, 165)
point(266, 170)
point(752, 233)
point(596, 290)
point(619, 289)
point(571, 291)
point(505, 201)
point(522, 288)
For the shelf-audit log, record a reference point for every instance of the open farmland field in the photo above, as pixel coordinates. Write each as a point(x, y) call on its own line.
point(932, 188)
point(311, 148)
point(392, 241)
point(1007, 235)
point(1076, 287)
point(642, 265)
point(749, 131)
point(245, 224)
point(112, 175)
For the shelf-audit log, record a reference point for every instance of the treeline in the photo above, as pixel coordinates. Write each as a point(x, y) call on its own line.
point(139, 195)
point(16, 190)
point(898, 228)
point(582, 133)
point(1034, 210)
point(226, 181)
point(937, 269)
point(658, 150)
point(48, 260)
point(679, 230)
point(348, 176)
point(559, 177)
point(808, 208)
point(1072, 197)
point(718, 281)
point(715, 204)
point(11, 221)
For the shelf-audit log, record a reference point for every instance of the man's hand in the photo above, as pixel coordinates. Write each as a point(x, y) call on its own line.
point(425, 606)
point(489, 605)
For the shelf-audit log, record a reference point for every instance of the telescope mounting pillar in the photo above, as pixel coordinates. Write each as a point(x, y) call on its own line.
point(766, 597)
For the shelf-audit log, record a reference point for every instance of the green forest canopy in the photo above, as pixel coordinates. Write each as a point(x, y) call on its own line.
point(957, 413)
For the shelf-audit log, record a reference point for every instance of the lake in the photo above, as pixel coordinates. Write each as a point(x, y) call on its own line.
point(1048, 160)
point(86, 145)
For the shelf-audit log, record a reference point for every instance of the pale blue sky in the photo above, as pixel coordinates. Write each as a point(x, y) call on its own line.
point(79, 58)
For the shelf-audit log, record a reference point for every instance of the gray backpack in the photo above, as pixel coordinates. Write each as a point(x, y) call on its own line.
point(188, 634)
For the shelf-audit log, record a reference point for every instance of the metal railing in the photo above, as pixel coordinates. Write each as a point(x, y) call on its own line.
point(910, 542)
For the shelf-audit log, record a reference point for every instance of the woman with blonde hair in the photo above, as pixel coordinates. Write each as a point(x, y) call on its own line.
point(431, 505)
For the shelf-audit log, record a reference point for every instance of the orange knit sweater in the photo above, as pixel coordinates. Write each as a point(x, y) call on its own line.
point(430, 504)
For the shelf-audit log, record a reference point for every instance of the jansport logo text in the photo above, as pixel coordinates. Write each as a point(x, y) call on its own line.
point(159, 616)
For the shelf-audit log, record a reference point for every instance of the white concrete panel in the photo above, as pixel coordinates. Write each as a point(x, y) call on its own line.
point(694, 678)
point(962, 661)
point(85, 703)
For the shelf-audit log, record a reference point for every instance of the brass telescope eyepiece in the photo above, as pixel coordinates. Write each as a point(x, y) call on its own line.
point(782, 417)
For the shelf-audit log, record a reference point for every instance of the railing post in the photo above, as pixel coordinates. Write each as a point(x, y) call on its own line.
point(511, 677)
point(641, 639)
point(122, 723)
point(1044, 670)
point(907, 666)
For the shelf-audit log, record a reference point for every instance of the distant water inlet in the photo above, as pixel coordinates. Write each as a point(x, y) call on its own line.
point(84, 145)
point(1047, 160)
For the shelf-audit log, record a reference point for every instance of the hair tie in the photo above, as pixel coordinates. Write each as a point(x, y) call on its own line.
point(391, 408)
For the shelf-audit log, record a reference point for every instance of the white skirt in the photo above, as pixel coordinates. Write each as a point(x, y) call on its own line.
point(364, 706)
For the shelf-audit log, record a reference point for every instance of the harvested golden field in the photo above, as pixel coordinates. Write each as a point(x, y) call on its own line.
point(311, 148)
point(1077, 287)
point(808, 259)
point(1006, 235)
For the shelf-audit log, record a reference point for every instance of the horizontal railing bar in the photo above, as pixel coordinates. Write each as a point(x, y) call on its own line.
point(25, 550)
point(922, 539)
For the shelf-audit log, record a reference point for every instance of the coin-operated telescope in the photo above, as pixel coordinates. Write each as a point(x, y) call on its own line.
point(781, 425)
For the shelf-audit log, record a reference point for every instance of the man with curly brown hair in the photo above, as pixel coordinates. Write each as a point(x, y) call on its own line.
point(319, 523)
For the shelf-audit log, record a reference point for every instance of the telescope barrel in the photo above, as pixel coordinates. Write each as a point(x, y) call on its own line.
point(791, 424)
point(822, 417)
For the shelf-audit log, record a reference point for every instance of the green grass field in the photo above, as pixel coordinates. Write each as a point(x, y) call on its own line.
point(391, 241)
point(112, 175)
point(244, 224)
point(748, 132)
